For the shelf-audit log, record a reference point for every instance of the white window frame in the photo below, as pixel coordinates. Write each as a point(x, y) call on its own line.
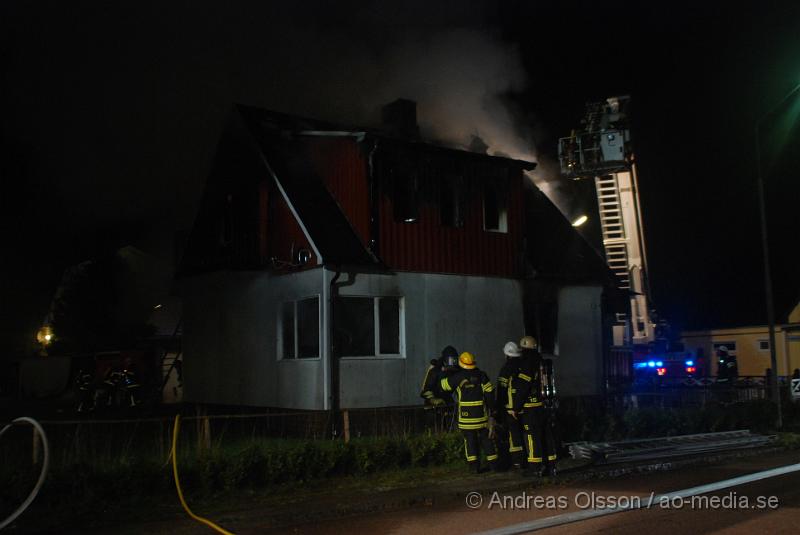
point(376, 327)
point(295, 331)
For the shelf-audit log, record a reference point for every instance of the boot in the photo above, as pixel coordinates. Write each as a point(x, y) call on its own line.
point(474, 467)
point(533, 470)
point(550, 470)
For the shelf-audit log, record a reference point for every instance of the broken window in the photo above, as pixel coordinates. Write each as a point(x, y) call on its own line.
point(300, 329)
point(356, 326)
point(369, 326)
point(404, 180)
point(495, 206)
point(451, 201)
point(545, 326)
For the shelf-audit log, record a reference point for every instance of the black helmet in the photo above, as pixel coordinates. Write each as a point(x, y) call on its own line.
point(449, 351)
point(449, 356)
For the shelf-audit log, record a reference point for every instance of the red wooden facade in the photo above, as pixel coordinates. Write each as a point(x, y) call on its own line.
point(247, 222)
point(425, 245)
point(343, 167)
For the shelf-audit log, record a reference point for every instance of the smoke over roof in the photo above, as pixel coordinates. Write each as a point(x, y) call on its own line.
point(138, 112)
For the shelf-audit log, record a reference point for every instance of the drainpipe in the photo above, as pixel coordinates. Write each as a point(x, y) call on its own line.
point(334, 351)
point(333, 356)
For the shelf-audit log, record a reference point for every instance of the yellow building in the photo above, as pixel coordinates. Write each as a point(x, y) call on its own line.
point(750, 345)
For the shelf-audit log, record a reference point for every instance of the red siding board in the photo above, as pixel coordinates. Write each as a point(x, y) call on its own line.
point(343, 167)
point(427, 246)
point(423, 246)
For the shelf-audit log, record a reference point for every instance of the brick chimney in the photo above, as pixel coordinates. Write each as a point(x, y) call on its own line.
point(400, 118)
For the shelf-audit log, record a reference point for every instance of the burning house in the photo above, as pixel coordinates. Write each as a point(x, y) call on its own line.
point(328, 265)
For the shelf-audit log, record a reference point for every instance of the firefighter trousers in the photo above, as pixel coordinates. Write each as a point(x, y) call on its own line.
point(474, 440)
point(516, 440)
point(539, 436)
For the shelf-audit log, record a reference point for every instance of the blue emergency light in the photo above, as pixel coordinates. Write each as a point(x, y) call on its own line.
point(652, 364)
point(690, 363)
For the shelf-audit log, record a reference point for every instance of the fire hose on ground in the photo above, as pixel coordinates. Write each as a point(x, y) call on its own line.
point(176, 427)
point(45, 465)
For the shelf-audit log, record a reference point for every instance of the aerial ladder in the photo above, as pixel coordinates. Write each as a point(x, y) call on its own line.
point(601, 151)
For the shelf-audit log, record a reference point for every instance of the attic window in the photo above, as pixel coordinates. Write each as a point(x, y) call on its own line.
point(406, 196)
point(495, 206)
point(451, 202)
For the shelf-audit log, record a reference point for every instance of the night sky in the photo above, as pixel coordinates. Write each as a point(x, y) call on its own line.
point(111, 113)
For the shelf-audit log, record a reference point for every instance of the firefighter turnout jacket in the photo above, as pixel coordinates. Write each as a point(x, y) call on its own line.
point(525, 387)
point(431, 390)
point(536, 419)
point(505, 389)
point(474, 394)
point(505, 404)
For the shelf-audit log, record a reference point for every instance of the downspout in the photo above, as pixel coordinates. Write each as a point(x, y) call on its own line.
point(333, 356)
point(334, 351)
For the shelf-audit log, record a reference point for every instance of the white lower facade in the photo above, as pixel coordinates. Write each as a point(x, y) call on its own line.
point(239, 328)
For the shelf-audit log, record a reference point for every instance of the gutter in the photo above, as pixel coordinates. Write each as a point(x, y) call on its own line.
point(333, 133)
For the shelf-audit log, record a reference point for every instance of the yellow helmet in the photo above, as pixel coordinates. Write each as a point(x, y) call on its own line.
point(528, 342)
point(466, 361)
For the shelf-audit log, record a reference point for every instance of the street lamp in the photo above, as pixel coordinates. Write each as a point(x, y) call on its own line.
point(765, 248)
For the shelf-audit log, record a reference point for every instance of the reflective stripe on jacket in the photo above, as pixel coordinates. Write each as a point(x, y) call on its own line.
point(525, 385)
point(474, 395)
point(504, 387)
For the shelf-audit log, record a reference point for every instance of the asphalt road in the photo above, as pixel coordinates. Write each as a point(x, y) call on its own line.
point(767, 506)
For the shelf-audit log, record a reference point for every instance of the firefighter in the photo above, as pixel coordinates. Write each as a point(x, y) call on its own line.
point(438, 369)
point(474, 395)
point(85, 384)
point(528, 404)
point(504, 406)
point(727, 369)
point(727, 374)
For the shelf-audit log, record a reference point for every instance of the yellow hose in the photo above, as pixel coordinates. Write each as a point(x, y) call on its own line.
point(207, 522)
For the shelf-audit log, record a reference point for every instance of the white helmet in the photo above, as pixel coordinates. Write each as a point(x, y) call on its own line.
point(511, 349)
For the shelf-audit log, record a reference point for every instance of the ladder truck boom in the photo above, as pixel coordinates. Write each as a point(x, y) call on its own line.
point(601, 151)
